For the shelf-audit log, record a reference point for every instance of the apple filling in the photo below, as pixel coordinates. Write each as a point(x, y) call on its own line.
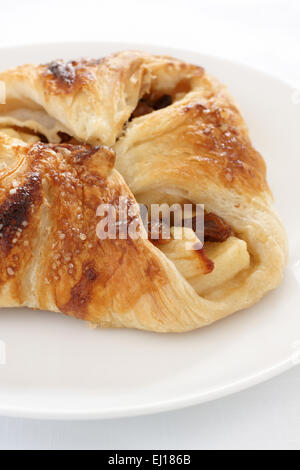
point(206, 267)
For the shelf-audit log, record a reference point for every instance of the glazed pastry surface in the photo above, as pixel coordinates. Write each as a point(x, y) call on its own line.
point(154, 130)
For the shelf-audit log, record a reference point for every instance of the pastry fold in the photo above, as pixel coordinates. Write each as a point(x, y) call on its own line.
point(75, 135)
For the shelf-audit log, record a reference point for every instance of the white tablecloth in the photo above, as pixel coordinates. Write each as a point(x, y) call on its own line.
point(262, 33)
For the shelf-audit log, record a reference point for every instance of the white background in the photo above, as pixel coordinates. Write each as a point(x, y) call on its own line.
point(262, 33)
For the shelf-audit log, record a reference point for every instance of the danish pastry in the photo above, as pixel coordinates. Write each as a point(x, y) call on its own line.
point(154, 130)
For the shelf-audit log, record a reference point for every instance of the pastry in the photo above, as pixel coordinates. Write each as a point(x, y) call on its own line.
point(155, 130)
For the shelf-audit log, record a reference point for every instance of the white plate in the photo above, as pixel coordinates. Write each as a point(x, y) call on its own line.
point(57, 368)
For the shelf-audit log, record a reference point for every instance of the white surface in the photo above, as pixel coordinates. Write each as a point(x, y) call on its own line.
point(264, 417)
point(130, 372)
point(259, 33)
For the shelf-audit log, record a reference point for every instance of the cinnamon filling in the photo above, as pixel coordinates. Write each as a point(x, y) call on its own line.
point(215, 229)
point(67, 139)
point(146, 105)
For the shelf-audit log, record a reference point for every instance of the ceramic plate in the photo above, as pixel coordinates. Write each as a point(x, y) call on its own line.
point(56, 367)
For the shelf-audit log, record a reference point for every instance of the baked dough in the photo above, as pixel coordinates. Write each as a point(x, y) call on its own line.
point(178, 137)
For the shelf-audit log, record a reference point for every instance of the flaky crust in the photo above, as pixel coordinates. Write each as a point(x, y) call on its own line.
point(196, 150)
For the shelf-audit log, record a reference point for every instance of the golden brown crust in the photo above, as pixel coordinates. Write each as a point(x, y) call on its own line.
point(48, 233)
point(205, 121)
point(178, 137)
point(61, 77)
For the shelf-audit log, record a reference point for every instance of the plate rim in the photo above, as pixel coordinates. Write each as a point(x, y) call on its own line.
point(157, 50)
point(151, 408)
point(185, 400)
